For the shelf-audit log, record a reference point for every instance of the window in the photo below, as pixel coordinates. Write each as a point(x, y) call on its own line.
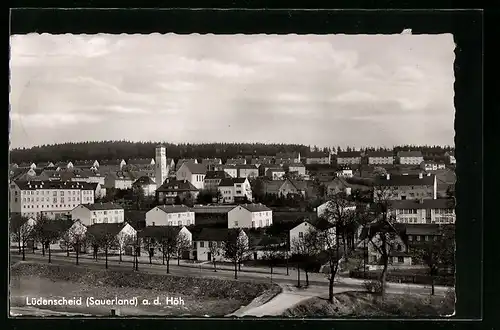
point(105, 220)
point(401, 259)
point(194, 245)
point(178, 215)
point(179, 223)
point(105, 212)
point(410, 238)
point(55, 200)
point(426, 238)
point(268, 222)
point(15, 199)
point(24, 199)
point(210, 244)
point(236, 223)
point(260, 223)
point(301, 234)
point(202, 244)
point(398, 247)
point(62, 193)
point(62, 199)
point(253, 224)
point(418, 238)
point(188, 222)
point(170, 223)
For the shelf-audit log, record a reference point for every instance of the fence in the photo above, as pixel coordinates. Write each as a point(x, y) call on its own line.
point(405, 278)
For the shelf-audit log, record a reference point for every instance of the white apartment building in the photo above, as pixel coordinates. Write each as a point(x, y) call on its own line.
point(247, 171)
point(232, 170)
point(380, 158)
point(434, 211)
point(235, 189)
point(50, 198)
point(91, 214)
point(250, 216)
point(170, 215)
point(349, 158)
point(298, 168)
point(410, 157)
point(318, 158)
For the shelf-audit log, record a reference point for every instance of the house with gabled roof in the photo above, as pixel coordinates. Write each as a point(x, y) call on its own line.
point(146, 184)
point(236, 161)
point(292, 157)
point(155, 234)
point(424, 211)
point(119, 180)
point(113, 163)
point(250, 216)
point(211, 163)
point(194, 173)
point(393, 187)
point(170, 215)
point(296, 168)
point(235, 190)
point(63, 166)
point(247, 171)
point(90, 214)
point(209, 239)
point(170, 190)
point(86, 164)
point(213, 178)
point(275, 173)
point(285, 188)
point(232, 170)
point(124, 234)
point(185, 160)
point(261, 160)
point(27, 165)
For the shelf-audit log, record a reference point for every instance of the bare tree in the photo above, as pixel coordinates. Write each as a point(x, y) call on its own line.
point(166, 238)
point(437, 253)
point(304, 249)
point(236, 247)
point(216, 250)
point(48, 231)
point(78, 239)
point(123, 240)
point(183, 243)
point(273, 252)
point(21, 229)
point(103, 240)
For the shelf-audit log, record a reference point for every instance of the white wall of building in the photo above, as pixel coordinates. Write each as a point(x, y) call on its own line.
point(157, 217)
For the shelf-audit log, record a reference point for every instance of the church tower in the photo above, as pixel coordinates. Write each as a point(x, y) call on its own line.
point(161, 165)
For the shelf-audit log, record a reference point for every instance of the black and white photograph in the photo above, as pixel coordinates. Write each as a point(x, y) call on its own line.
point(232, 175)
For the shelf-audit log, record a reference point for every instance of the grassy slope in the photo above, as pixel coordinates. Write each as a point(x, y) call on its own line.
point(362, 304)
point(202, 296)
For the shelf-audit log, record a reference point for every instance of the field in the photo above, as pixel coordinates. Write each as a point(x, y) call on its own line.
point(201, 296)
point(363, 304)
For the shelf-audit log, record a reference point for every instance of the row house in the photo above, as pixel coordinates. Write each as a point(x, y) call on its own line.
point(50, 198)
point(247, 171)
point(235, 190)
point(86, 164)
point(236, 161)
point(194, 173)
point(113, 164)
point(181, 161)
point(293, 157)
point(27, 165)
point(284, 161)
point(349, 158)
point(90, 214)
point(318, 158)
point(397, 248)
point(171, 190)
point(380, 157)
point(211, 163)
point(262, 160)
point(47, 164)
point(285, 188)
point(63, 166)
point(170, 215)
point(140, 164)
point(410, 157)
point(297, 169)
point(250, 216)
point(403, 187)
point(146, 185)
point(424, 211)
point(304, 227)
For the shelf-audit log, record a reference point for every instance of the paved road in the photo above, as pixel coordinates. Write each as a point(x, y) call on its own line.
point(227, 273)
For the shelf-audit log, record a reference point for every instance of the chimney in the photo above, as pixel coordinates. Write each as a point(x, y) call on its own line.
point(388, 176)
point(420, 175)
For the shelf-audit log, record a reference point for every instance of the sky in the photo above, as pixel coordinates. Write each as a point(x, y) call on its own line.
point(324, 90)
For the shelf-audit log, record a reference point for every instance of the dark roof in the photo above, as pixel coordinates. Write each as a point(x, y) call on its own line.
point(144, 180)
point(135, 218)
point(317, 154)
point(447, 203)
point(102, 206)
point(236, 161)
point(160, 231)
point(422, 229)
point(217, 175)
point(380, 154)
point(110, 162)
point(196, 168)
point(174, 208)
point(210, 161)
point(83, 163)
point(255, 207)
point(296, 165)
point(406, 180)
point(212, 209)
point(246, 167)
point(45, 184)
point(285, 155)
point(212, 235)
point(139, 161)
point(414, 153)
point(398, 254)
point(230, 182)
point(99, 229)
point(177, 185)
point(320, 223)
point(349, 154)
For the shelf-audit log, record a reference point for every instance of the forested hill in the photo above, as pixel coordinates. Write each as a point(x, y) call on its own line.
point(127, 150)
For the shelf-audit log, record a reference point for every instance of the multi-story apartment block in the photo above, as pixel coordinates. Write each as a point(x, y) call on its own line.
point(50, 198)
point(247, 171)
point(250, 216)
point(410, 157)
point(349, 158)
point(90, 214)
point(318, 158)
point(213, 178)
point(292, 157)
point(438, 211)
point(380, 157)
point(402, 187)
point(170, 215)
point(170, 190)
point(211, 163)
point(232, 170)
point(194, 173)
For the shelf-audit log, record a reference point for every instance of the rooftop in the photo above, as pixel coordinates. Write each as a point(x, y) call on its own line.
point(255, 207)
point(447, 203)
point(177, 185)
point(414, 153)
point(406, 180)
point(349, 154)
point(102, 206)
point(174, 208)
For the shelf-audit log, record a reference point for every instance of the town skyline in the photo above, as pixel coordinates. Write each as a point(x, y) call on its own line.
point(313, 90)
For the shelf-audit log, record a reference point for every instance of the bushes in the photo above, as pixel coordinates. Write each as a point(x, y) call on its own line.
point(189, 286)
point(374, 286)
point(405, 278)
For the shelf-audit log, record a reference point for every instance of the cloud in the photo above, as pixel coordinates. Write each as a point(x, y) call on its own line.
point(232, 87)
